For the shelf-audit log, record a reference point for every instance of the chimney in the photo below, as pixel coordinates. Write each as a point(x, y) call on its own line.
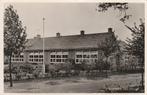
point(110, 30)
point(58, 34)
point(82, 32)
point(37, 37)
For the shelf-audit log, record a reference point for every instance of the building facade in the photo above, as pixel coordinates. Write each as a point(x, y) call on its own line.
point(57, 50)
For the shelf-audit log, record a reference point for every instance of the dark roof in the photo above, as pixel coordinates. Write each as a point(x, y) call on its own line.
point(68, 42)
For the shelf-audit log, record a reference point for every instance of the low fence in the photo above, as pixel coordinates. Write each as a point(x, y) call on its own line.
point(59, 74)
point(33, 71)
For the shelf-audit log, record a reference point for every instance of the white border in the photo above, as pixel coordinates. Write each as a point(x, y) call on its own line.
point(72, 1)
point(61, 1)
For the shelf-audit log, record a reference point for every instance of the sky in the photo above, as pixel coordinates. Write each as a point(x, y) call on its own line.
point(71, 18)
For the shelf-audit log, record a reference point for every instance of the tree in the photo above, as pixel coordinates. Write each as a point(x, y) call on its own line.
point(121, 7)
point(135, 46)
point(109, 46)
point(105, 6)
point(14, 36)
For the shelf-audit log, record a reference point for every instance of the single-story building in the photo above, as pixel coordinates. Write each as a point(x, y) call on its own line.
point(56, 50)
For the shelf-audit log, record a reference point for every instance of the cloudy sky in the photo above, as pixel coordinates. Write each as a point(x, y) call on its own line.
point(70, 18)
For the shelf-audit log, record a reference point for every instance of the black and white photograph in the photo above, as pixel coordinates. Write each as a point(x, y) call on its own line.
point(74, 47)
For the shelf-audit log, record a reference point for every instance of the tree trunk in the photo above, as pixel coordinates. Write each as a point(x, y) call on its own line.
point(10, 72)
point(142, 72)
point(117, 63)
point(142, 76)
point(142, 83)
point(106, 66)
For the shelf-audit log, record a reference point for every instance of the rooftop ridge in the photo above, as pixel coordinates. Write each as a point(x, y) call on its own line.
point(69, 41)
point(74, 35)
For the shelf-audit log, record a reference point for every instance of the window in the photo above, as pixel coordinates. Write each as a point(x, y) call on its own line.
point(52, 56)
point(79, 56)
point(36, 60)
point(40, 56)
point(77, 60)
point(58, 60)
point(65, 56)
point(94, 56)
point(21, 56)
point(31, 56)
point(36, 57)
point(86, 56)
point(17, 58)
point(63, 60)
point(58, 57)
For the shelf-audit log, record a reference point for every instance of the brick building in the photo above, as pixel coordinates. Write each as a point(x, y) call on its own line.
point(56, 50)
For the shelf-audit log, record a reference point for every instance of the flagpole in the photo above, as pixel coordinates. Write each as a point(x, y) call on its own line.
point(43, 48)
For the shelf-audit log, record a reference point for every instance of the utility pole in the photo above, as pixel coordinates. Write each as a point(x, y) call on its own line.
point(43, 47)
